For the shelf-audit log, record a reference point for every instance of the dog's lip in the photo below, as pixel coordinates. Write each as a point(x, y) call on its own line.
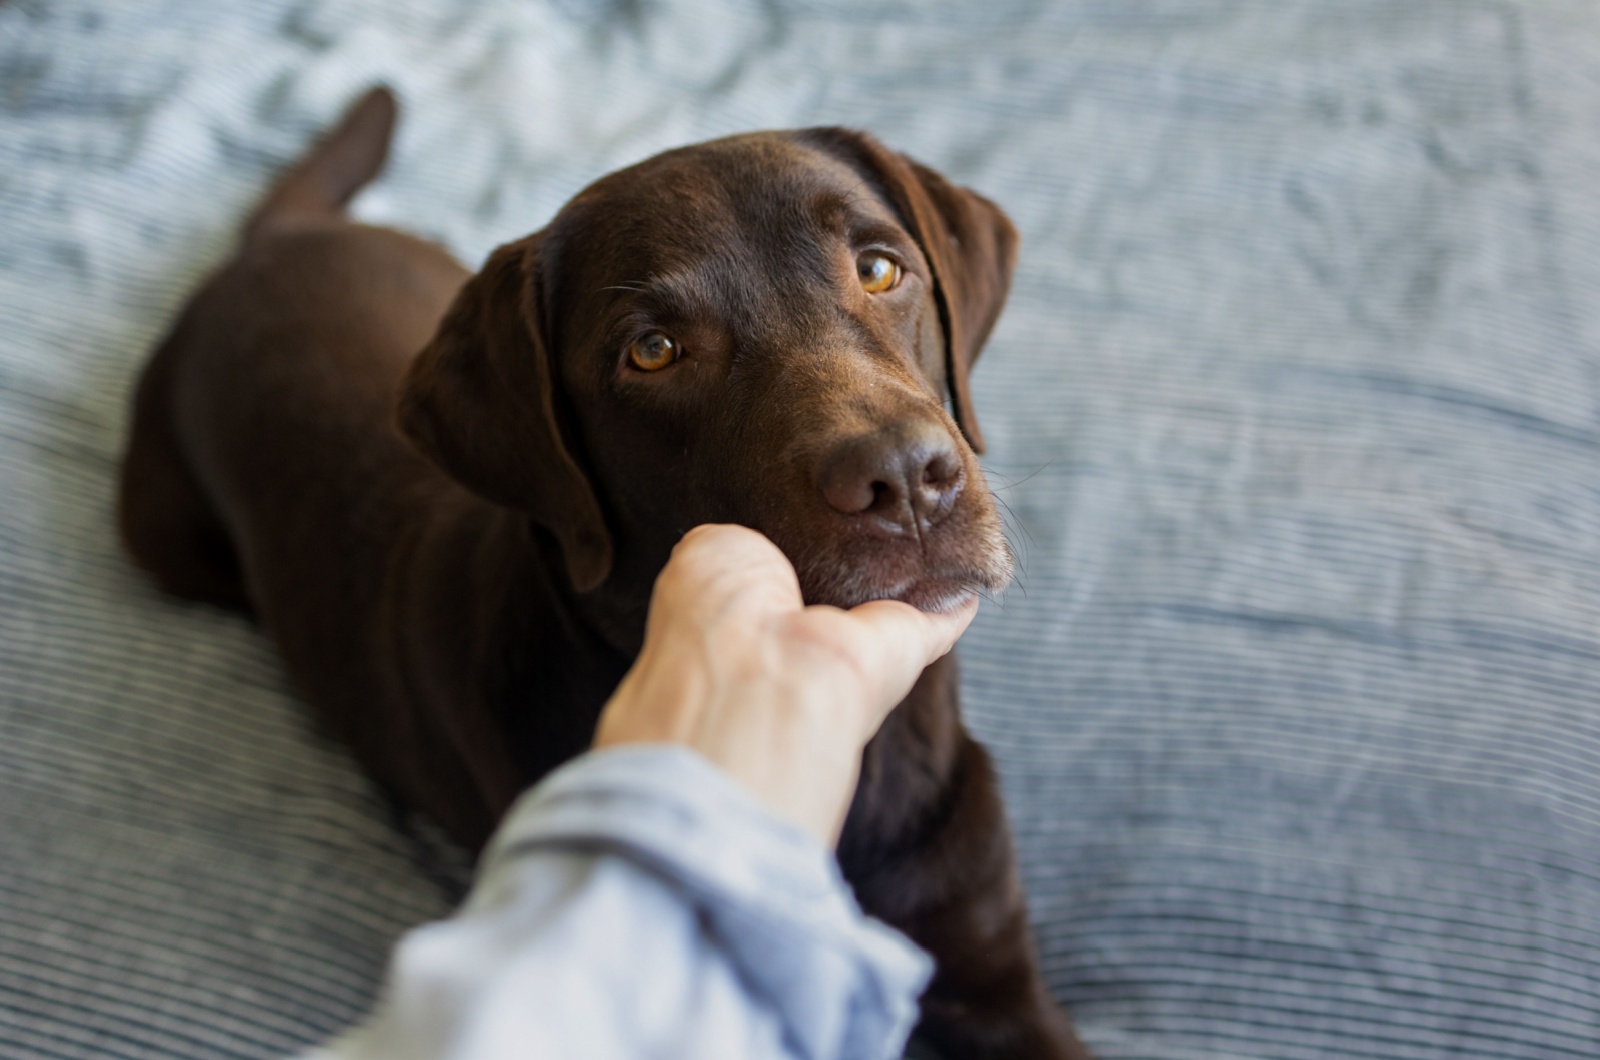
point(936, 595)
point(932, 593)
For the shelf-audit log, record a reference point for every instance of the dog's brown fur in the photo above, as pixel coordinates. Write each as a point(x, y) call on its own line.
point(459, 608)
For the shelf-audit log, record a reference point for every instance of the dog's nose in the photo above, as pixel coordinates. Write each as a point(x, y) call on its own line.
point(908, 476)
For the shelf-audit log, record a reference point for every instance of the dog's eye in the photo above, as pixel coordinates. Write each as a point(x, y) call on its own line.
point(877, 273)
point(653, 352)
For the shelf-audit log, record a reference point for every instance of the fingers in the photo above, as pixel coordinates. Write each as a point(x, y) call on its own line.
point(720, 572)
point(932, 633)
point(894, 642)
point(716, 565)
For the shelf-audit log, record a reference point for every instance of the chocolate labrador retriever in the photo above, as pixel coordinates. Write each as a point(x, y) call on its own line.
point(758, 330)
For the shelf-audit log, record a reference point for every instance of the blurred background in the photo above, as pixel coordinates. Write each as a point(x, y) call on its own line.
point(1295, 408)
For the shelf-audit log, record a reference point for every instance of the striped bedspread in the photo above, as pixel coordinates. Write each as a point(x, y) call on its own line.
point(1295, 410)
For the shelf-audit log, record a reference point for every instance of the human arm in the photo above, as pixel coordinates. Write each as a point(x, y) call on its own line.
point(673, 893)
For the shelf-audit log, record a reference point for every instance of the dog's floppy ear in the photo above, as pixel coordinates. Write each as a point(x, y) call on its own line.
point(480, 401)
point(969, 242)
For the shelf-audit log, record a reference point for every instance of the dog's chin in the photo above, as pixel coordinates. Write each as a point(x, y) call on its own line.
point(925, 592)
point(936, 595)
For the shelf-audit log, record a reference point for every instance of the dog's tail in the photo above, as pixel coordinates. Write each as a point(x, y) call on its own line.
point(345, 159)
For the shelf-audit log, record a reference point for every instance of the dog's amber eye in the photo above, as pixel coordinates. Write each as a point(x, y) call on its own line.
point(877, 273)
point(653, 352)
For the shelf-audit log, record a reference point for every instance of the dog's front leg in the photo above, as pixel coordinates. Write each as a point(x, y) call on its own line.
point(927, 849)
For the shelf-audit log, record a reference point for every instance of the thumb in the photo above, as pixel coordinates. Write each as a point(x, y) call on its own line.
point(897, 642)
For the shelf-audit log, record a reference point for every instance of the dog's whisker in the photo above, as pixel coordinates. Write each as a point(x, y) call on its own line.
point(1014, 483)
point(1016, 521)
point(1010, 522)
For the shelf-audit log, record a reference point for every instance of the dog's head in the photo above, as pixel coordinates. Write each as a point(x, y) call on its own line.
point(759, 330)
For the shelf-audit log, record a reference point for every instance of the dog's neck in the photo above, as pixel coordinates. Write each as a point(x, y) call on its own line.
point(560, 652)
point(614, 612)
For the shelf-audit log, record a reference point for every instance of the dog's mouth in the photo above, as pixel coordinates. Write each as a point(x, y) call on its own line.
point(933, 591)
point(936, 594)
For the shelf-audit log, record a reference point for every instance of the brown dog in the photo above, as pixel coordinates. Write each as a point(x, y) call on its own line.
point(757, 330)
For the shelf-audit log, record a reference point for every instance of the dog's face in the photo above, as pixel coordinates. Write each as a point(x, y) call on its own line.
point(758, 330)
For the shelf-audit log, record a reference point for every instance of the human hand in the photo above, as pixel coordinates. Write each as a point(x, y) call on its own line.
point(781, 696)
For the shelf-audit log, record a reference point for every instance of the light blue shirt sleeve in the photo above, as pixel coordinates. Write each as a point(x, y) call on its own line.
point(639, 903)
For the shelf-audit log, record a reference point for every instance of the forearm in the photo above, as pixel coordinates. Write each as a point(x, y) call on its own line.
point(640, 903)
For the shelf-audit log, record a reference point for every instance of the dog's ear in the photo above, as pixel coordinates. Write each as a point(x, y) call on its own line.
point(480, 401)
point(968, 241)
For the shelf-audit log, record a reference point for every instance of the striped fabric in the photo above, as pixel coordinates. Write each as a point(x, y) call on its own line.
point(1296, 410)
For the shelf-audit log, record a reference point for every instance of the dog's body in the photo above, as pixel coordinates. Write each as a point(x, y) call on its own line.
point(460, 617)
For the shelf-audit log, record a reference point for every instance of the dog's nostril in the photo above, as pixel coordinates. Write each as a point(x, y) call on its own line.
point(942, 469)
point(848, 490)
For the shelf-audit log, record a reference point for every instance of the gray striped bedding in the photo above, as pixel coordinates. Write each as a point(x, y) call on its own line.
point(1295, 409)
